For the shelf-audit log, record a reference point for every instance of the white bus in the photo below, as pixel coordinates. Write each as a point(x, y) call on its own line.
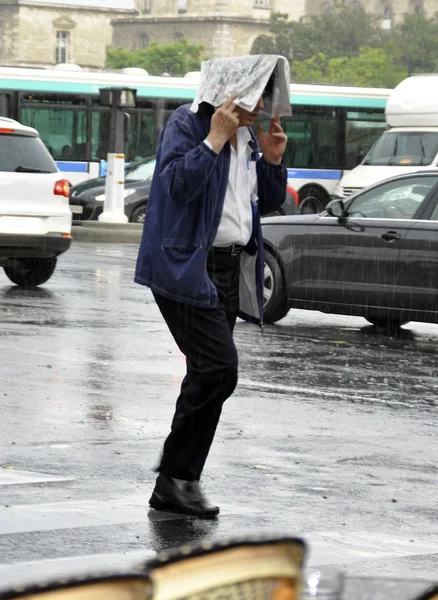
point(330, 131)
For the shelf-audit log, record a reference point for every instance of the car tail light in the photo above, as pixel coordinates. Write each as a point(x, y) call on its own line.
point(62, 188)
point(6, 130)
point(294, 194)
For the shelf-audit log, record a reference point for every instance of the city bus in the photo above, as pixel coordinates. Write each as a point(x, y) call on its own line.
point(330, 130)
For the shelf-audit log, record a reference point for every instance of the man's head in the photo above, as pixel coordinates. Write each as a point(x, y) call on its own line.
point(247, 118)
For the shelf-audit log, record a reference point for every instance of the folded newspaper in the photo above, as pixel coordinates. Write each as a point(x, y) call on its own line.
point(246, 77)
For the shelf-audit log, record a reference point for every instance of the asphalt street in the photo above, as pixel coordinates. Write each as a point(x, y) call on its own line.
point(331, 434)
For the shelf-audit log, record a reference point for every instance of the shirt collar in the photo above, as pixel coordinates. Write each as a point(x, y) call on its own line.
point(243, 134)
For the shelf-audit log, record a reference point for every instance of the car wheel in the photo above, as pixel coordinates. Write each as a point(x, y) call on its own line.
point(139, 214)
point(31, 272)
point(274, 297)
point(312, 201)
point(386, 323)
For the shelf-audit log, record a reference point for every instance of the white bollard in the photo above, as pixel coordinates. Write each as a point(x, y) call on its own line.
point(114, 206)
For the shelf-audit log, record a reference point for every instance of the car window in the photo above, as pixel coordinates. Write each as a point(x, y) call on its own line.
point(393, 200)
point(434, 215)
point(141, 172)
point(18, 153)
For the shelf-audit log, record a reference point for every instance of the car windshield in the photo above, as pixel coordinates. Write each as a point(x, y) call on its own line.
point(23, 154)
point(408, 149)
point(395, 199)
point(143, 171)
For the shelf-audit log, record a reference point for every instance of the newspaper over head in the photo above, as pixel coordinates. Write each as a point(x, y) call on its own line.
point(246, 77)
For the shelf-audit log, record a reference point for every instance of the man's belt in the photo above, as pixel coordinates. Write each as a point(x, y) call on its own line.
point(234, 249)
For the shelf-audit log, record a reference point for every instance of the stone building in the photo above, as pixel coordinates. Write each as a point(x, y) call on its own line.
point(229, 27)
point(42, 33)
point(224, 27)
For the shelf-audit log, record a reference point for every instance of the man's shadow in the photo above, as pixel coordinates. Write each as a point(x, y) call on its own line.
point(171, 531)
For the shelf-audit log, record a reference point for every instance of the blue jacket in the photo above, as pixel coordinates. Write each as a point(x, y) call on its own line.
point(184, 210)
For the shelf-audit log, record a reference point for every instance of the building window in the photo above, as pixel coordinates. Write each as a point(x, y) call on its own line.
point(178, 37)
point(182, 6)
point(147, 7)
point(62, 46)
point(387, 19)
point(262, 3)
point(142, 41)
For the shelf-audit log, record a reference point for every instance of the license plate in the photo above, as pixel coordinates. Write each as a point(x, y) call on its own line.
point(76, 210)
point(21, 224)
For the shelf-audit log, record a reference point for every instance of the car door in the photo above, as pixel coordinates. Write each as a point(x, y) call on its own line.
point(419, 259)
point(356, 260)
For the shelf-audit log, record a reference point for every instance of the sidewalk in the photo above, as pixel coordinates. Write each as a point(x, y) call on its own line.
point(114, 233)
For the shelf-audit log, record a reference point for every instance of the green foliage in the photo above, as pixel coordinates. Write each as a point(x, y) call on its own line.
point(372, 67)
point(414, 43)
point(347, 46)
point(175, 59)
point(340, 32)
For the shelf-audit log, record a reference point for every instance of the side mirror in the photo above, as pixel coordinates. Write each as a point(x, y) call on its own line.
point(336, 208)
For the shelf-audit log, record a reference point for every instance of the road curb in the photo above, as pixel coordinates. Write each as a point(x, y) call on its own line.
point(110, 233)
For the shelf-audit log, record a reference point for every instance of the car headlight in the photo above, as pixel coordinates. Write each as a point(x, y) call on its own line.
point(100, 198)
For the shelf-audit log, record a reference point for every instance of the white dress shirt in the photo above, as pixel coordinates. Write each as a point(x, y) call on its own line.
point(235, 226)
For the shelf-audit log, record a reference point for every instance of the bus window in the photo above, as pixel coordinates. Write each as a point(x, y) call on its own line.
point(313, 139)
point(63, 130)
point(361, 131)
point(142, 141)
point(100, 129)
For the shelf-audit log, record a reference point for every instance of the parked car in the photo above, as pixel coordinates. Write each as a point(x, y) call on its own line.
point(374, 255)
point(35, 219)
point(87, 198)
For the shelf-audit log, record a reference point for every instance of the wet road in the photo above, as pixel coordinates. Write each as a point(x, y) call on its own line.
point(331, 433)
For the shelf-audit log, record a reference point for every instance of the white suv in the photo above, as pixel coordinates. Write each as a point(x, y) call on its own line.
point(35, 218)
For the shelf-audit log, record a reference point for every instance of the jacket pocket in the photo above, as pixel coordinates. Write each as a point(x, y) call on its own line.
point(184, 245)
point(181, 270)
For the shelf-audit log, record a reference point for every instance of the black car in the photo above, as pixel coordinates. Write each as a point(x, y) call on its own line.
point(87, 198)
point(374, 255)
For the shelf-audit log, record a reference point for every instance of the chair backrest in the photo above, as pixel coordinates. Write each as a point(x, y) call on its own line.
point(239, 569)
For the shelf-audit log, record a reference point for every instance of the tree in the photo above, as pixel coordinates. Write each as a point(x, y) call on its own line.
point(342, 31)
point(372, 67)
point(414, 43)
point(175, 59)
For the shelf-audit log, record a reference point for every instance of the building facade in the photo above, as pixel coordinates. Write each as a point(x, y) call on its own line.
point(224, 27)
point(230, 27)
point(34, 33)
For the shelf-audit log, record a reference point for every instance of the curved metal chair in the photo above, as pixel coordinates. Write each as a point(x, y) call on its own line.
point(257, 568)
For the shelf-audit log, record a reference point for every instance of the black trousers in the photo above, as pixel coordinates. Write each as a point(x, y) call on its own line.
point(205, 337)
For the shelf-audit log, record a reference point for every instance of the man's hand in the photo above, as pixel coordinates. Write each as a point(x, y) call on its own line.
point(224, 124)
point(273, 143)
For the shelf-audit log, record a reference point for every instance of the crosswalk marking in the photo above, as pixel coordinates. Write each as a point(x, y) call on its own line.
point(18, 521)
point(9, 476)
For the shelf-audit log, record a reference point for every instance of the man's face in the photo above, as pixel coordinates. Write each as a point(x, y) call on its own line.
point(246, 118)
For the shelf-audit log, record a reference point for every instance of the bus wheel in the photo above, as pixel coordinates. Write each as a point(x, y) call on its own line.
point(312, 200)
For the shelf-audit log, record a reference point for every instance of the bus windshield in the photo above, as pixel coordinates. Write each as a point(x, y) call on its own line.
point(408, 149)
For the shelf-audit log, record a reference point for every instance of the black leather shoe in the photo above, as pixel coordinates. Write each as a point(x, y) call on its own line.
point(169, 497)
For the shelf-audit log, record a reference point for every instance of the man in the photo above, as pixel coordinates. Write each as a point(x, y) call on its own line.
point(201, 250)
